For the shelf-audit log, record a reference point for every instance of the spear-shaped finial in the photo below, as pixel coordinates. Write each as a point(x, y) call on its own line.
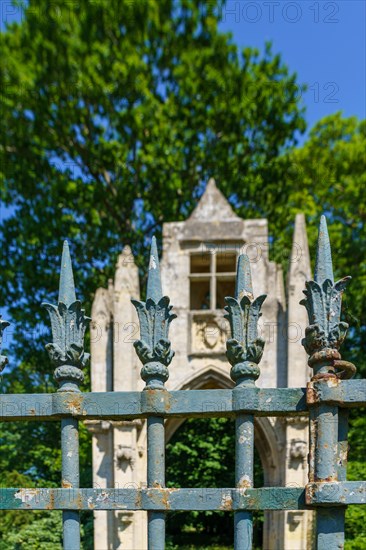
point(66, 293)
point(154, 290)
point(245, 347)
point(68, 323)
point(243, 285)
point(326, 332)
point(323, 262)
point(154, 347)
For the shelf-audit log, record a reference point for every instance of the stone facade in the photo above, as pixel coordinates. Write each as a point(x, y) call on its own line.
point(198, 271)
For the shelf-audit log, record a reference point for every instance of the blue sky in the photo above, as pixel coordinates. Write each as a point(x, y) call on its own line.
point(323, 42)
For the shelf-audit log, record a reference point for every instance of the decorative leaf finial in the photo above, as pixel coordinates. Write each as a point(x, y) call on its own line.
point(245, 348)
point(326, 332)
point(3, 359)
point(154, 347)
point(68, 322)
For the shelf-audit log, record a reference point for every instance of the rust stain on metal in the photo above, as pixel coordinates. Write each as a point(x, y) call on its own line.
point(226, 502)
point(138, 499)
point(165, 499)
point(167, 401)
point(74, 404)
point(51, 504)
point(332, 479)
point(66, 484)
point(80, 502)
point(312, 395)
point(309, 494)
point(244, 482)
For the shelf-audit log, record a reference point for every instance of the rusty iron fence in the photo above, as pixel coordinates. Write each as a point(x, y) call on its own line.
point(327, 399)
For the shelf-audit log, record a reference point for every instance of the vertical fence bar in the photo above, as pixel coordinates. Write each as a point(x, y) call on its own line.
point(155, 353)
point(329, 521)
point(70, 478)
point(244, 454)
point(328, 427)
point(244, 352)
point(343, 417)
point(156, 478)
point(67, 353)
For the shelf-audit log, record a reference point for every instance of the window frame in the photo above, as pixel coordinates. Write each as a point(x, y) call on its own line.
point(212, 275)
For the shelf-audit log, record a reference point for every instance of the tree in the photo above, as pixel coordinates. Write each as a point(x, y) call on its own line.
point(328, 175)
point(109, 106)
point(201, 454)
point(113, 115)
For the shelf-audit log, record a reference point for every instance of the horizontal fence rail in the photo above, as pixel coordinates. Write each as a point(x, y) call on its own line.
point(181, 403)
point(325, 400)
point(164, 499)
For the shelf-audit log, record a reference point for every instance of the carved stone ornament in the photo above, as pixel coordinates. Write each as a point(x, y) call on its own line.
point(97, 426)
point(208, 333)
point(326, 332)
point(298, 449)
point(245, 348)
point(68, 323)
point(3, 359)
point(125, 456)
point(154, 347)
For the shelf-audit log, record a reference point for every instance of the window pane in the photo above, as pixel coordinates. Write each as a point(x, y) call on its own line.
point(200, 263)
point(200, 294)
point(224, 288)
point(226, 261)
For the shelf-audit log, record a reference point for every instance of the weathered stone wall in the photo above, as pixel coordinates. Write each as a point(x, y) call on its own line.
point(198, 338)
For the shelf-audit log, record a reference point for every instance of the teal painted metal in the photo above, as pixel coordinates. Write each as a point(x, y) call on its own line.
point(322, 341)
point(315, 495)
point(327, 399)
point(154, 348)
point(68, 323)
point(155, 353)
point(244, 351)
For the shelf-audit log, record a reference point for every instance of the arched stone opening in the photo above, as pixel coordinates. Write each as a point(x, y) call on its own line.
point(268, 441)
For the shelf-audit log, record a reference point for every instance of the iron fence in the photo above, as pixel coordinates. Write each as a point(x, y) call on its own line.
point(327, 399)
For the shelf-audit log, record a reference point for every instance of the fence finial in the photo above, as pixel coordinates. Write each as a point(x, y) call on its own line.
point(154, 290)
point(68, 322)
point(245, 347)
point(66, 293)
point(326, 332)
point(323, 262)
point(154, 347)
point(3, 359)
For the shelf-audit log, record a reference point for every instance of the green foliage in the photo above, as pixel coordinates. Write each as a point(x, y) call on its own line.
point(43, 533)
point(356, 515)
point(328, 175)
point(107, 106)
point(201, 453)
